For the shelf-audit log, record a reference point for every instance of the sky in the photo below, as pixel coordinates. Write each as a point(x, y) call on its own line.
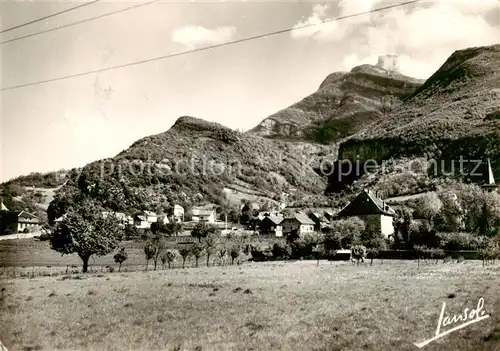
point(71, 122)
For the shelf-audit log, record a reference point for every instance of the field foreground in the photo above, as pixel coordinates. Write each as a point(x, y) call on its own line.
point(256, 306)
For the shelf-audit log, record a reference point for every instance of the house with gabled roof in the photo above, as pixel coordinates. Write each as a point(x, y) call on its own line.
point(18, 222)
point(377, 215)
point(297, 222)
point(203, 215)
point(271, 224)
point(320, 222)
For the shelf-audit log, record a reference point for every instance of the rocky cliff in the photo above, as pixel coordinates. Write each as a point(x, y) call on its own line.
point(455, 113)
point(344, 103)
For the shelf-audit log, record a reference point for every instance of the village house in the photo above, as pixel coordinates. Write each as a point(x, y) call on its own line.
point(144, 219)
point(263, 214)
point(377, 215)
point(271, 225)
point(12, 222)
point(299, 223)
point(178, 214)
point(121, 217)
point(203, 215)
point(320, 222)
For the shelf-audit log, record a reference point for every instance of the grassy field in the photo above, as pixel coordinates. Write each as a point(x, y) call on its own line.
point(255, 306)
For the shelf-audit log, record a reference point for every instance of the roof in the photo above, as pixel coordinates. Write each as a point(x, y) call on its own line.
point(178, 207)
point(150, 213)
point(366, 203)
point(142, 218)
point(201, 212)
point(301, 218)
point(27, 216)
point(275, 219)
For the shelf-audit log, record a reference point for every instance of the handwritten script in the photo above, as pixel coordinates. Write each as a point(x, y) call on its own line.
point(467, 317)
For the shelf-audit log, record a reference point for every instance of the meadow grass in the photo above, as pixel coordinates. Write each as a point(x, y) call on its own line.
point(254, 306)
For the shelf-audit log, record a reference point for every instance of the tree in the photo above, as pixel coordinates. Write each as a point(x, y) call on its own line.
point(234, 252)
point(86, 232)
point(197, 251)
point(281, 250)
point(402, 226)
point(149, 252)
point(427, 206)
point(348, 230)
point(170, 256)
point(358, 252)
point(421, 252)
point(203, 230)
point(185, 252)
point(120, 257)
point(172, 229)
point(130, 232)
point(319, 251)
point(209, 244)
point(222, 254)
point(154, 248)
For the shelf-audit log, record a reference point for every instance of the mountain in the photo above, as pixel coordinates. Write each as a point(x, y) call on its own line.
point(196, 162)
point(455, 113)
point(344, 103)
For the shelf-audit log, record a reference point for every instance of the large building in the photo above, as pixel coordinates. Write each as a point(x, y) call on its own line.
point(12, 222)
point(377, 215)
point(299, 223)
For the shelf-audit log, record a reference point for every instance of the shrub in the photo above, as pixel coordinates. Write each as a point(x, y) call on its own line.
point(120, 257)
point(281, 250)
point(358, 253)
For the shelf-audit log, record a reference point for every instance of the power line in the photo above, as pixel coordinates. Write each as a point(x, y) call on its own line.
point(208, 47)
point(48, 16)
point(79, 22)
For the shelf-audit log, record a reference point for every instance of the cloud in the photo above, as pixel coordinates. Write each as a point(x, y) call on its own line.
point(422, 35)
point(197, 36)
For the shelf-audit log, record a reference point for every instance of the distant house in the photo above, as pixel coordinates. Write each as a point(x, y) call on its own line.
point(18, 222)
point(329, 214)
point(263, 214)
point(271, 225)
point(298, 222)
point(144, 219)
point(163, 219)
point(320, 222)
point(120, 216)
point(377, 215)
point(178, 214)
point(203, 215)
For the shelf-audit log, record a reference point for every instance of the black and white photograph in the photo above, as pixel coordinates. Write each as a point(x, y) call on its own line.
point(250, 175)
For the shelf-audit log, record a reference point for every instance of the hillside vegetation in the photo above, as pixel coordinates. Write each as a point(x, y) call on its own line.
point(344, 103)
point(455, 113)
point(193, 163)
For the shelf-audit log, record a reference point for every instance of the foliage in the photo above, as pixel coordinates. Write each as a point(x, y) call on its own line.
point(87, 232)
point(460, 241)
point(120, 257)
point(234, 252)
point(350, 231)
point(281, 250)
point(154, 248)
point(358, 253)
point(169, 257)
point(210, 244)
point(203, 230)
point(197, 250)
point(185, 252)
